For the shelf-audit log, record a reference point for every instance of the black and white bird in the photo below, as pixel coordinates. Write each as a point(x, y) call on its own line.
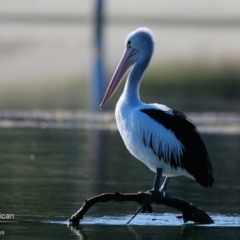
point(162, 138)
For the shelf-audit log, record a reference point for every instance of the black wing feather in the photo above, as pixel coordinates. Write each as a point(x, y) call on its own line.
point(195, 159)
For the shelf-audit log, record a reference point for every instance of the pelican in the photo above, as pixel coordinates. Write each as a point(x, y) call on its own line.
point(162, 138)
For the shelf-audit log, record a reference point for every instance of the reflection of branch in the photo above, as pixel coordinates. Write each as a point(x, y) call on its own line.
point(77, 232)
point(189, 211)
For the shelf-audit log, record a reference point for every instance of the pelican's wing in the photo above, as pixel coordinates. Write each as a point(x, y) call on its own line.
point(173, 138)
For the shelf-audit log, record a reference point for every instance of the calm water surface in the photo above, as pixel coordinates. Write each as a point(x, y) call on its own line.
point(45, 176)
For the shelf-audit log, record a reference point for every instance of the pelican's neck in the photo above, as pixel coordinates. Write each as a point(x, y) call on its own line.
point(132, 86)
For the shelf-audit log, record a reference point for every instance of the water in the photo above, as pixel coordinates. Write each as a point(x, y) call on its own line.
point(45, 176)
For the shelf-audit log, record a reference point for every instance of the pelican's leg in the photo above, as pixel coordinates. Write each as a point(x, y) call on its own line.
point(146, 205)
point(165, 184)
point(156, 183)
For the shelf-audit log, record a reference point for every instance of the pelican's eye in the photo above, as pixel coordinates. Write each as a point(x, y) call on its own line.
point(128, 43)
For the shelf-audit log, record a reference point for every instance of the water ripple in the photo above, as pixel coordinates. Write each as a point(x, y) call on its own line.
point(207, 122)
point(166, 219)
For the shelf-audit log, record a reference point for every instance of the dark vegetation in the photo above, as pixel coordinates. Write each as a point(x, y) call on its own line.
point(185, 88)
point(194, 88)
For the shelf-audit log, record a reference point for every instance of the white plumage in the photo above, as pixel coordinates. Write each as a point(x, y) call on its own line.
point(163, 139)
point(136, 128)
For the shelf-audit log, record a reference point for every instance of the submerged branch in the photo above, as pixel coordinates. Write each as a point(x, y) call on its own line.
point(189, 211)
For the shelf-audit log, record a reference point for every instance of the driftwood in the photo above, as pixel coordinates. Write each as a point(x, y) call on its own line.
point(189, 211)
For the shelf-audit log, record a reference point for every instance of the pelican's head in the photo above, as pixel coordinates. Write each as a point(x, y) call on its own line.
point(142, 40)
point(139, 47)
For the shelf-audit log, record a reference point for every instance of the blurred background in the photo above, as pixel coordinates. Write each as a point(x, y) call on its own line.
point(48, 60)
point(47, 52)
